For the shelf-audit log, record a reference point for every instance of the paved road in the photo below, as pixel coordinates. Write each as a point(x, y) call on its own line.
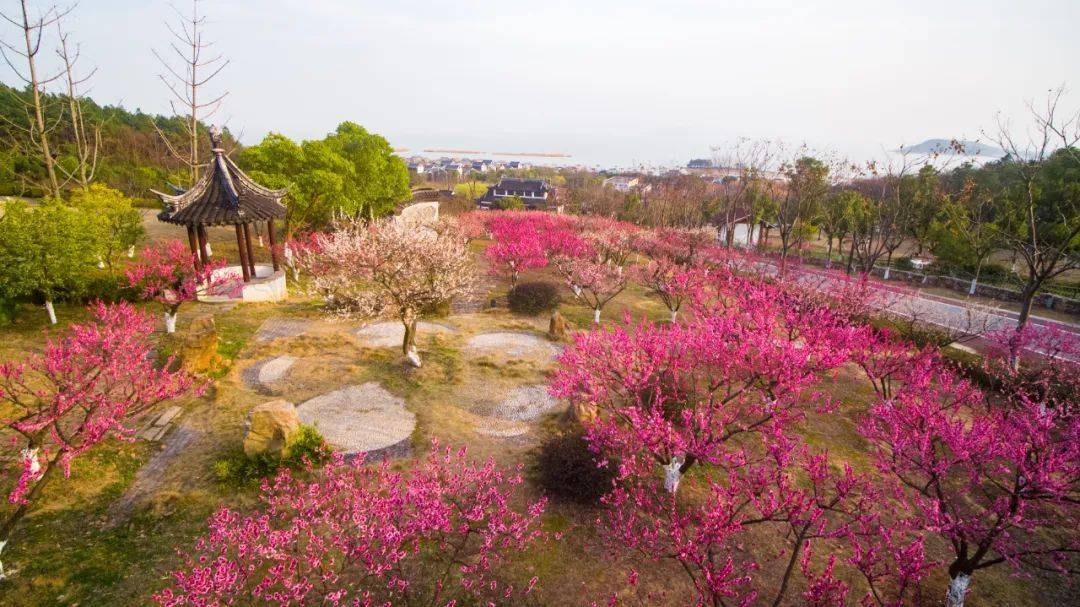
point(954, 315)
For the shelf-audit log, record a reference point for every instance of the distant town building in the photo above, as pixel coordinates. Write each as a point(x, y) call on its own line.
point(534, 193)
point(622, 183)
point(699, 163)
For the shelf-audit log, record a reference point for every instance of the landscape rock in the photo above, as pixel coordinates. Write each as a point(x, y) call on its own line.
point(197, 349)
point(557, 327)
point(271, 425)
point(361, 419)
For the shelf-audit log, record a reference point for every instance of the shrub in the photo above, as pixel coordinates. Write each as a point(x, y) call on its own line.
point(566, 469)
point(108, 288)
point(533, 297)
point(241, 470)
point(904, 263)
point(510, 203)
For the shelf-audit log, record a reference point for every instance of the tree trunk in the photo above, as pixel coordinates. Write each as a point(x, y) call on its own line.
point(170, 322)
point(828, 255)
point(50, 311)
point(8, 526)
point(958, 588)
point(673, 474)
point(596, 316)
point(674, 313)
point(1027, 299)
point(408, 345)
point(888, 266)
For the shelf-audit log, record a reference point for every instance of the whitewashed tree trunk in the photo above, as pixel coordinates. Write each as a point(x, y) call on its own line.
point(674, 313)
point(888, 270)
point(413, 357)
point(100, 263)
point(958, 588)
point(51, 312)
point(209, 251)
point(131, 251)
point(2, 575)
point(170, 322)
point(673, 474)
point(577, 291)
point(974, 283)
point(596, 316)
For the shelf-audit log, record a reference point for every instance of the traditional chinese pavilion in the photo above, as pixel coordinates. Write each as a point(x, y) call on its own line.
point(223, 196)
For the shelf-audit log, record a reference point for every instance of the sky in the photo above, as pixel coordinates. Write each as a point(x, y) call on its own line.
point(610, 83)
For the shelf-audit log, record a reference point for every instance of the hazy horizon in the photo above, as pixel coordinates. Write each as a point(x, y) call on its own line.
point(612, 84)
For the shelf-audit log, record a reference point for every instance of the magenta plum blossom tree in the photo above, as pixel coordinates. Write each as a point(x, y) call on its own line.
point(996, 480)
point(596, 283)
point(87, 386)
point(517, 247)
point(673, 283)
point(787, 493)
point(366, 535)
point(387, 268)
point(679, 392)
point(171, 275)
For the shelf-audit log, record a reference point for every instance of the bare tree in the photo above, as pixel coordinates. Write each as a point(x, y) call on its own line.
point(751, 162)
point(86, 151)
point(33, 30)
point(186, 81)
point(1047, 224)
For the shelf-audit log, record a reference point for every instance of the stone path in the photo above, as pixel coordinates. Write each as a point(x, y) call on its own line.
point(358, 419)
point(265, 374)
point(148, 479)
point(506, 345)
point(279, 326)
point(525, 404)
point(390, 334)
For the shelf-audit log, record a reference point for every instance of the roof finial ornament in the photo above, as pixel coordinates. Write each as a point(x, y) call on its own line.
point(215, 140)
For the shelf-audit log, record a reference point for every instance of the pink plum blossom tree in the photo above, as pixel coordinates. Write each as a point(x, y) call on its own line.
point(366, 535)
point(388, 268)
point(171, 275)
point(995, 480)
point(87, 386)
point(596, 283)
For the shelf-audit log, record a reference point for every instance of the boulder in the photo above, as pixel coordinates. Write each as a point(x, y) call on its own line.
point(197, 349)
point(271, 425)
point(557, 327)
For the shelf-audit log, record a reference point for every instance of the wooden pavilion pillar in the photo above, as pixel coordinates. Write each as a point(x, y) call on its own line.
point(250, 251)
point(203, 255)
point(193, 243)
point(273, 243)
point(243, 252)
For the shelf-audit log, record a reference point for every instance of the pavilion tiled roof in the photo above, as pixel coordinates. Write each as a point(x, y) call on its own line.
point(223, 195)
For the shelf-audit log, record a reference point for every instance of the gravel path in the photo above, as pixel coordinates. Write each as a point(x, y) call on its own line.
point(265, 375)
point(361, 419)
point(148, 478)
point(506, 345)
point(390, 334)
point(280, 326)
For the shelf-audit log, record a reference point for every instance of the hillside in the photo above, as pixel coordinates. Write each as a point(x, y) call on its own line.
point(131, 156)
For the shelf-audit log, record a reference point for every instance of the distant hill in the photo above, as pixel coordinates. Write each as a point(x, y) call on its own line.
point(945, 147)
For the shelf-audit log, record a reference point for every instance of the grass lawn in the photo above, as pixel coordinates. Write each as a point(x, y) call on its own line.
point(74, 549)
